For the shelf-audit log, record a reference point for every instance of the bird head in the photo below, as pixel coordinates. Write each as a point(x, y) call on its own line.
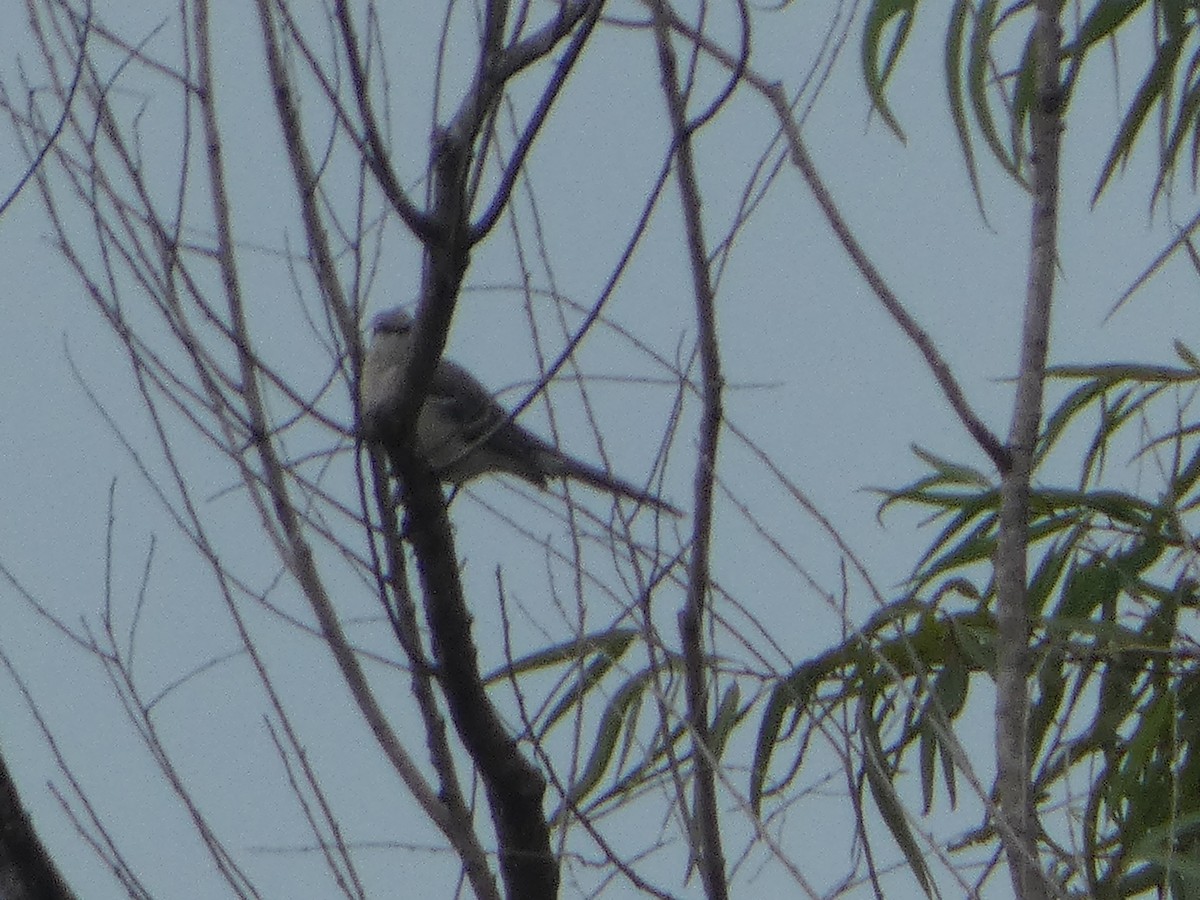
point(392, 321)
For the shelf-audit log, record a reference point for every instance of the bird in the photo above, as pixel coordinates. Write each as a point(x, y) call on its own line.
point(462, 431)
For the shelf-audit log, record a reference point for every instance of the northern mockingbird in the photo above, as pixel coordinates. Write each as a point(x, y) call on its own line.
point(462, 432)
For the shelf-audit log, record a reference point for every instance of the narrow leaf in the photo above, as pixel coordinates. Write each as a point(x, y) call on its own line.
point(879, 63)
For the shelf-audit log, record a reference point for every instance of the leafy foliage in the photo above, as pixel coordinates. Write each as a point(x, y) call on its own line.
point(989, 77)
point(635, 740)
point(1114, 721)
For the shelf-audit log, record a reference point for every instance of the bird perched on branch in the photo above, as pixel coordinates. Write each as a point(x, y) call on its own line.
point(462, 432)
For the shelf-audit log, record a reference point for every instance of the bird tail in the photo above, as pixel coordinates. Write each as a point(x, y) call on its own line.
point(556, 464)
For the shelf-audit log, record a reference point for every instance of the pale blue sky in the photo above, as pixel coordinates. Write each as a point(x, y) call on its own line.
point(817, 374)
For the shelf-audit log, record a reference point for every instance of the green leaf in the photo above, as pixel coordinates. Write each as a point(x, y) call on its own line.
point(1174, 16)
point(1076, 402)
point(977, 641)
point(1153, 848)
point(891, 809)
point(950, 472)
point(1101, 23)
point(1094, 585)
point(1052, 683)
point(1185, 353)
point(977, 545)
point(1185, 119)
point(608, 734)
point(948, 777)
point(878, 63)
point(926, 751)
point(791, 696)
point(727, 717)
point(1116, 505)
point(611, 643)
point(951, 686)
point(955, 33)
point(1142, 783)
point(978, 80)
point(586, 679)
point(1124, 371)
point(1155, 86)
point(1024, 92)
point(1050, 569)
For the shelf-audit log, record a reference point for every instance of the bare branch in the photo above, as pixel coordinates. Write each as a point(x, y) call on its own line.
point(710, 855)
point(1016, 793)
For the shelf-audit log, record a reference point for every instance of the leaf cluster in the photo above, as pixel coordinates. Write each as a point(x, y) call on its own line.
point(989, 66)
point(635, 741)
point(1114, 718)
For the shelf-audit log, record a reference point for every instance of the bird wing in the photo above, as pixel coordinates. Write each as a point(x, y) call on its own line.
point(468, 432)
point(479, 436)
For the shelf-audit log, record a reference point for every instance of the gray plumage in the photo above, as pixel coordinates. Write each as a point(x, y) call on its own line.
point(462, 432)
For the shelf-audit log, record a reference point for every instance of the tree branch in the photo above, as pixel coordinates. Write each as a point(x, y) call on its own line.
point(710, 855)
point(514, 786)
point(1012, 613)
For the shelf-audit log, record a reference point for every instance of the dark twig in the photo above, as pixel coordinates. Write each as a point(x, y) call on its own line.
point(708, 849)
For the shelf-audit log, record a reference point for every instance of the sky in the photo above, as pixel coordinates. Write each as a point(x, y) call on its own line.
point(816, 374)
